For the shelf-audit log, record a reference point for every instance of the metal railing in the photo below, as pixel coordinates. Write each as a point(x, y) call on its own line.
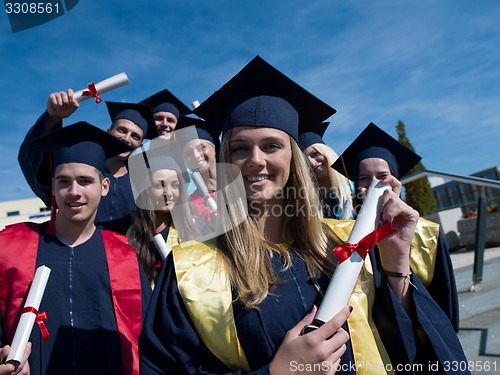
point(477, 275)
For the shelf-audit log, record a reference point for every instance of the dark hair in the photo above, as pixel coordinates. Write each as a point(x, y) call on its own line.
point(144, 226)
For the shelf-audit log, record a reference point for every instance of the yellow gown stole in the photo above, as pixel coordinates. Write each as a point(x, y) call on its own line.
point(206, 291)
point(369, 352)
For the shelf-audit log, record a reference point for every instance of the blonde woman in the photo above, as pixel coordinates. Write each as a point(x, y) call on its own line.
point(238, 304)
point(335, 191)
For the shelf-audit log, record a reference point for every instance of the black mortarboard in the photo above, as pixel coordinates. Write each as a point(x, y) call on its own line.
point(260, 95)
point(139, 114)
point(165, 101)
point(155, 155)
point(204, 129)
point(313, 134)
point(373, 142)
point(81, 143)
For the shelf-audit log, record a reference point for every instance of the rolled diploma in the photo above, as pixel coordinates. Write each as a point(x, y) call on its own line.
point(161, 246)
point(109, 84)
point(27, 320)
point(346, 274)
point(200, 184)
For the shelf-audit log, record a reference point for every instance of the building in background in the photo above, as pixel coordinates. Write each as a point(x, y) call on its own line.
point(465, 196)
point(32, 209)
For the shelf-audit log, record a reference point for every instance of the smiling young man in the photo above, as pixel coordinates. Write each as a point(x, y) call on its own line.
point(117, 208)
point(167, 110)
point(97, 292)
point(130, 122)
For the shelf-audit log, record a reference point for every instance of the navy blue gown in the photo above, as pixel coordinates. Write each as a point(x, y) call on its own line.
point(443, 288)
point(115, 210)
point(169, 343)
point(84, 338)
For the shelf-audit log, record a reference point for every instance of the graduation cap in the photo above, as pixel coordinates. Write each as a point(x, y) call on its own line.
point(139, 114)
point(373, 142)
point(312, 135)
point(260, 95)
point(81, 143)
point(205, 130)
point(155, 155)
point(165, 101)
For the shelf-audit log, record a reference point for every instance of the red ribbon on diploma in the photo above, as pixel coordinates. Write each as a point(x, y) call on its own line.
point(40, 317)
point(344, 251)
point(208, 195)
point(92, 91)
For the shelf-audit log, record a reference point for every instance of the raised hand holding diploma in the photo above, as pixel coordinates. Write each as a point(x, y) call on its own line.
point(94, 90)
point(346, 274)
point(29, 316)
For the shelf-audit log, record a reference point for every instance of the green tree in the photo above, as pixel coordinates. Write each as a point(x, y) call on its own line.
point(418, 193)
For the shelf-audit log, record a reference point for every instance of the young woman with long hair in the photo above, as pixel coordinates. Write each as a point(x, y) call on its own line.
point(239, 303)
point(160, 187)
point(335, 191)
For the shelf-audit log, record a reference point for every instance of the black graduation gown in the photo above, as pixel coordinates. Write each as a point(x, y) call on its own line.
point(84, 338)
point(35, 162)
point(115, 210)
point(169, 344)
point(330, 206)
point(443, 288)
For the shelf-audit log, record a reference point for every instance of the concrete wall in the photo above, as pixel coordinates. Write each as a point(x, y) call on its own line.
point(448, 220)
point(467, 228)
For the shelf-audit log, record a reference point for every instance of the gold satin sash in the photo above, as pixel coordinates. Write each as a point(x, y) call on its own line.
point(172, 238)
point(423, 250)
point(206, 292)
point(171, 241)
point(369, 352)
point(205, 289)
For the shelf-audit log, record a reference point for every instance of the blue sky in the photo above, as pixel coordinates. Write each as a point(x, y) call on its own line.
point(435, 65)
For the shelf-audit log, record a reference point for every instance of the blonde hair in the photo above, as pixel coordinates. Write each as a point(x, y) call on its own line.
point(248, 256)
point(338, 182)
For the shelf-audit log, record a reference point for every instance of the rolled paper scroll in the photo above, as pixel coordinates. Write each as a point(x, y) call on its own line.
point(161, 246)
point(94, 90)
point(346, 274)
point(30, 315)
point(200, 184)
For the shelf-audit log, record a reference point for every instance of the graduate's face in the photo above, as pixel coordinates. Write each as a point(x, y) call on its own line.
point(128, 132)
point(78, 190)
point(264, 156)
point(164, 189)
point(369, 170)
point(199, 154)
point(165, 123)
point(317, 161)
